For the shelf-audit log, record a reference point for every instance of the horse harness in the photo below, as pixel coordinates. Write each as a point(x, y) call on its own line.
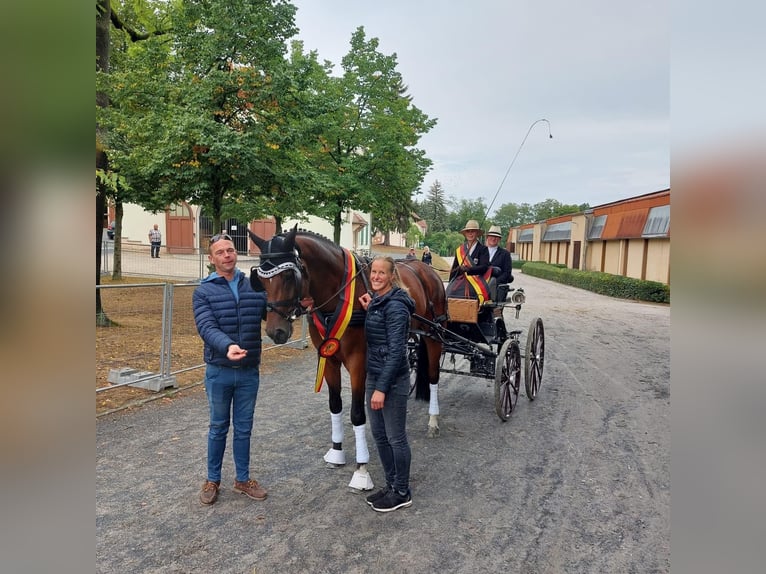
point(272, 264)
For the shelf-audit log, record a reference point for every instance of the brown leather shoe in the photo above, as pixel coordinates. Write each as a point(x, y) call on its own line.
point(209, 492)
point(250, 488)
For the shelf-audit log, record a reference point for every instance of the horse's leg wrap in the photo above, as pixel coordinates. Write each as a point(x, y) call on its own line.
point(336, 455)
point(433, 403)
point(361, 479)
point(433, 411)
point(362, 452)
point(337, 427)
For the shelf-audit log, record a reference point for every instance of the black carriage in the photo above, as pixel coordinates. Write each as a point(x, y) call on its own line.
point(479, 334)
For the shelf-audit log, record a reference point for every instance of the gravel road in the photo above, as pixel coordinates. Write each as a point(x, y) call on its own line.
point(576, 481)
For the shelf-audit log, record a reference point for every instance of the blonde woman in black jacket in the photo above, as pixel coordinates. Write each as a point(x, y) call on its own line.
point(386, 327)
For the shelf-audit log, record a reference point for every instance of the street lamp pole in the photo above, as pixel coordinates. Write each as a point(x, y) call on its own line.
point(550, 136)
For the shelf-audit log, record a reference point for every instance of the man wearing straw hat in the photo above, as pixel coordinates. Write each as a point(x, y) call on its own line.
point(472, 257)
point(500, 262)
point(472, 264)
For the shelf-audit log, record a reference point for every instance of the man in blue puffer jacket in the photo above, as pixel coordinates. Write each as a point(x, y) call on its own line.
point(228, 316)
point(387, 385)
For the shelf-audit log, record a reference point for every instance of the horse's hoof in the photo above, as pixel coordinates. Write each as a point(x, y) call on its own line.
point(335, 457)
point(433, 432)
point(361, 481)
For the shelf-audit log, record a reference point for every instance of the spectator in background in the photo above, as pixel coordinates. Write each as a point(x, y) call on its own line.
point(426, 255)
point(411, 254)
point(155, 240)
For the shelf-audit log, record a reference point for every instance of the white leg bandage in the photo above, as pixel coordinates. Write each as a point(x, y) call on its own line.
point(337, 427)
point(362, 453)
point(433, 404)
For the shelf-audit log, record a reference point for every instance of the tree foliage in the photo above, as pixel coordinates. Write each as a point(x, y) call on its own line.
point(512, 214)
point(195, 115)
point(216, 113)
point(434, 208)
point(366, 150)
point(464, 209)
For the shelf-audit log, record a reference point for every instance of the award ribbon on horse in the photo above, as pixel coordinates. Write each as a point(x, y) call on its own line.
point(333, 331)
point(479, 286)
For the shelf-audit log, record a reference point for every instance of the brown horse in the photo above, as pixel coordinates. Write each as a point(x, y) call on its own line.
point(305, 273)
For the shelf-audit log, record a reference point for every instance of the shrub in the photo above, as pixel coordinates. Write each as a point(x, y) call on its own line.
point(602, 283)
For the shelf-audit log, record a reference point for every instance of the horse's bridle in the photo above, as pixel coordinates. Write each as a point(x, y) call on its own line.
point(298, 305)
point(269, 268)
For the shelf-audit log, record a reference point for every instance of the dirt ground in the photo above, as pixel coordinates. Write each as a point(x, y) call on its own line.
point(576, 481)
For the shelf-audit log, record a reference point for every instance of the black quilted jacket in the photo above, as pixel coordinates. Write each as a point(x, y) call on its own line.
point(221, 320)
point(387, 327)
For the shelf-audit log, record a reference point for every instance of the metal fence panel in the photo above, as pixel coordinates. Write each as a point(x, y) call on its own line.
point(153, 332)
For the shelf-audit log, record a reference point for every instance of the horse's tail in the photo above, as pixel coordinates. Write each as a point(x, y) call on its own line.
point(422, 389)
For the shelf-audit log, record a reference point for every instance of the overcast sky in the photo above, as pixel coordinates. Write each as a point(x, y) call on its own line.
point(597, 70)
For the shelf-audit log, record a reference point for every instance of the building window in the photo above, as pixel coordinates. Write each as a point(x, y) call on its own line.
point(597, 227)
point(658, 222)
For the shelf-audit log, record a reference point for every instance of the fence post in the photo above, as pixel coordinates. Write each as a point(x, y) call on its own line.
point(166, 346)
point(105, 257)
point(303, 342)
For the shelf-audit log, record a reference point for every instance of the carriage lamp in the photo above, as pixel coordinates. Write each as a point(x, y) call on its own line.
point(518, 297)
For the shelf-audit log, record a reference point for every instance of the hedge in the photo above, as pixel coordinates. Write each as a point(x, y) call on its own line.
point(598, 282)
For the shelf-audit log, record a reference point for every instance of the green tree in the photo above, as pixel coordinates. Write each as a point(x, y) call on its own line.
point(413, 237)
point(197, 116)
point(553, 208)
point(463, 210)
point(109, 182)
point(444, 242)
point(367, 156)
point(512, 214)
point(103, 16)
point(133, 24)
point(434, 209)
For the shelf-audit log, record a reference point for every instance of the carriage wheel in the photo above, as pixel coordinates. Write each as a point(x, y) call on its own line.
point(507, 379)
point(534, 356)
point(412, 359)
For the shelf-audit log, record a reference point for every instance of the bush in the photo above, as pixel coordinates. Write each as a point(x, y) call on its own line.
point(602, 283)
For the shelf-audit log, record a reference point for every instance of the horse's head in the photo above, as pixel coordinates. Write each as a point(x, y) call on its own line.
point(280, 275)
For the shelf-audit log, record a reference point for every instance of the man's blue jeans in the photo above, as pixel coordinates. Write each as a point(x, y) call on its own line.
point(389, 430)
point(231, 395)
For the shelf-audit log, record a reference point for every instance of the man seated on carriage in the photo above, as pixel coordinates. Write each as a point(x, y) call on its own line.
point(500, 262)
point(471, 272)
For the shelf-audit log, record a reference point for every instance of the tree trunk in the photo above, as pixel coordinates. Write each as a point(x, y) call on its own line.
point(103, 21)
point(336, 223)
point(117, 253)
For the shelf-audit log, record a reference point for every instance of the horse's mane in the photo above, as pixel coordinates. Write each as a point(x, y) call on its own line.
point(313, 234)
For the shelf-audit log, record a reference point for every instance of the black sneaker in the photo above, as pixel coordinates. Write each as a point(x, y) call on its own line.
point(375, 496)
point(392, 501)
